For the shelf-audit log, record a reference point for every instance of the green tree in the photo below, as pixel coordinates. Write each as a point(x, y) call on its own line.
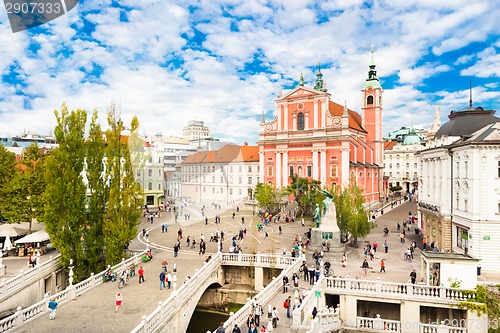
point(305, 192)
point(7, 172)
point(268, 197)
point(352, 217)
point(27, 186)
point(98, 191)
point(65, 194)
point(123, 206)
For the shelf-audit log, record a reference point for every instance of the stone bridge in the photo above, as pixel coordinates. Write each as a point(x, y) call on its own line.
point(31, 285)
point(174, 314)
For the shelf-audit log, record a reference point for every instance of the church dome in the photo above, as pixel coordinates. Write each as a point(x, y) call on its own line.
point(467, 121)
point(412, 138)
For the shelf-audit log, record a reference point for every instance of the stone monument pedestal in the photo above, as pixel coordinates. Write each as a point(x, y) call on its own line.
point(328, 232)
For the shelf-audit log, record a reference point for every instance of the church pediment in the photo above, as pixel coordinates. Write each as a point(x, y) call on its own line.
point(301, 91)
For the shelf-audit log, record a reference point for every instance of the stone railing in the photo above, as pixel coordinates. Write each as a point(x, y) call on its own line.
point(167, 310)
point(301, 316)
point(263, 297)
point(25, 278)
point(22, 316)
point(396, 290)
point(325, 321)
point(260, 260)
point(378, 324)
point(435, 328)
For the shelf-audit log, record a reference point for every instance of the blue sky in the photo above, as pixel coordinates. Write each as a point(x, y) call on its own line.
point(225, 61)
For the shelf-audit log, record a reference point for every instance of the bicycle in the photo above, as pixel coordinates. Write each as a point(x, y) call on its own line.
point(407, 257)
point(123, 282)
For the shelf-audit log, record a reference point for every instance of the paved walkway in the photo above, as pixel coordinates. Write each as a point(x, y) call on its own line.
point(95, 310)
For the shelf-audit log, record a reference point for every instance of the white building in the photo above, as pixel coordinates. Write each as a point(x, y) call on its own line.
point(174, 150)
point(151, 178)
point(459, 201)
point(401, 165)
point(196, 130)
point(227, 175)
point(173, 184)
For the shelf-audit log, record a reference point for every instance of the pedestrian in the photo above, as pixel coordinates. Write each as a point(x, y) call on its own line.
point(236, 329)
point(168, 279)
point(285, 285)
point(398, 226)
point(220, 329)
point(163, 228)
point(424, 243)
point(118, 301)
point(162, 280)
point(344, 260)
point(164, 265)
point(314, 312)
point(206, 220)
point(242, 220)
point(263, 329)
point(275, 317)
point(402, 237)
point(257, 313)
point(52, 307)
point(413, 276)
point(234, 214)
point(365, 266)
point(382, 266)
point(141, 275)
point(386, 246)
point(374, 246)
point(280, 231)
point(176, 250)
point(250, 321)
point(288, 306)
point(252, 328)
point(188, 241)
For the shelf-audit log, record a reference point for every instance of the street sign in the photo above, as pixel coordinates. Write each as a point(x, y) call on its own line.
point(317, 293)
point(486, 237)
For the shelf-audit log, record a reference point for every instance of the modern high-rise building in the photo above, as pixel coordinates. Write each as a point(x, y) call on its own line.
point(196, 130)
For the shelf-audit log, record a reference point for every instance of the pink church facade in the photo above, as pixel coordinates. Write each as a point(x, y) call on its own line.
point(314, 137)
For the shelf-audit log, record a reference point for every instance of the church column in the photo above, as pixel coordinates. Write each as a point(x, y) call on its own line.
point(262, 171)
point(316, 114)
point(279, 114)
point(278, 169)
point(323, 166)
point(285, 169)
point(324, 106)
point(285, 122)
point(315, 165)
point(306, 120)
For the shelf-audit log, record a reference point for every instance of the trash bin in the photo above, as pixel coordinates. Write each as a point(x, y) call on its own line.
point(417, 231)
point(478, 270)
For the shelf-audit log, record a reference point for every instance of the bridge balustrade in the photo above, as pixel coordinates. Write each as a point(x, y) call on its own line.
point(396, 290)
point(435, 328)
point(23, 316)
point(266, 295)
point(25, 278)
point(378, 324)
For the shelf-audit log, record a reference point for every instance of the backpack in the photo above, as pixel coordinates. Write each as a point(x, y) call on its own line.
point(285, 304)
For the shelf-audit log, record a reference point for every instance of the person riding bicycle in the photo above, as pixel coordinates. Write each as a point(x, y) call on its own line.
point(386, 231)
point(124, 277)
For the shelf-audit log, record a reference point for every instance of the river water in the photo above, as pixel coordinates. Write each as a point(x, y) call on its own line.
point(203, 321)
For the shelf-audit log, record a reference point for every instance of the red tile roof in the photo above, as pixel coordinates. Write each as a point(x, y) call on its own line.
point(355, 120)
point(228, 153)
point(388, 145)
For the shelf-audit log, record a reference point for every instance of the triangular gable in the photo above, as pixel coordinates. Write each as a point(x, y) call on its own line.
point(301, 91)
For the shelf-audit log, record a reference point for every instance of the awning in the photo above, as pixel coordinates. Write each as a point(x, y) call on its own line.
point(36, 237)
point(12, 230)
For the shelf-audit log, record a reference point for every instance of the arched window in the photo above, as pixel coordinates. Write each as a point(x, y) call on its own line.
point(150, 186)
point(369, 100)
point(300, 121)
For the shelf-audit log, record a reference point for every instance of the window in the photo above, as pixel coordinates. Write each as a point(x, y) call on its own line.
point(300, 121)
point(213, 179)
point(333, 170)
point(414, 165)
point(204, 169)
point(498, 169)
point(150, 172)
point(407, 156)
point(204, 179)
point(151, 160)
point(231, 179)
point(368, 175)
point(397, 165)
point(221, 168)
point(458, 170)
point(407, 165)
point(466, 204)
point(204, 190)
point(369, 100)
point(390, 165)
point(231, 168)
point(290, 170)
point(159, 172)
point(213, 189)
point(360, 174)
point(221, 190)
point(462, 237)
point(222, 179)
point(249, 180)
point(407, 175)
point(159, 187)
point(270, 170)
point(240, 169)
point(138, 173)
point(466, 167)
point(150, 186)
point(239, 191)
point(230, 191)
point(390, 174)
point(258, 168)
point(249, 168)
point(213, 168)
